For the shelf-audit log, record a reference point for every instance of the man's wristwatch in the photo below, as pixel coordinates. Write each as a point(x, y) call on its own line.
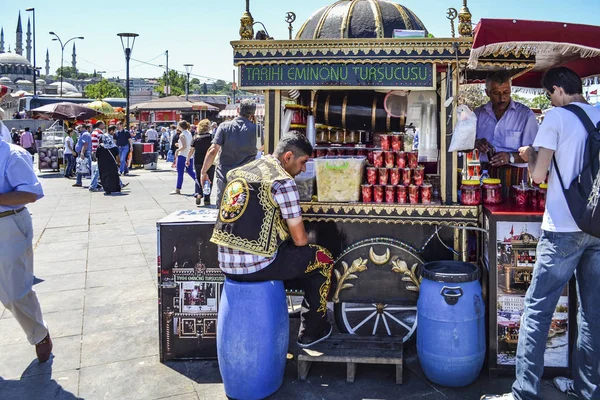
point(511, 158)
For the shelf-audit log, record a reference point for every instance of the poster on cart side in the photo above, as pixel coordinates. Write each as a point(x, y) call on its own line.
point(516, 255)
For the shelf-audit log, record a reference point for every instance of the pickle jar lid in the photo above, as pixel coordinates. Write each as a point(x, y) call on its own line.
point(543, 186)
point(491, 181)
point(471, 182)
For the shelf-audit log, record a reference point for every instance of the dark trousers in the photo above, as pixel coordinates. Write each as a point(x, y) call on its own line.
point(154, 145)
point(199, 185)
point(307, 268)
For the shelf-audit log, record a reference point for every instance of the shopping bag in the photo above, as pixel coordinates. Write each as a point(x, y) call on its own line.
point(82, 166)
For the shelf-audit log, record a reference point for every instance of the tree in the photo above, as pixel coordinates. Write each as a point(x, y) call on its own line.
point(177, 83)
point(194, 81)
point(521, 100)
point(72, 73)
point(103, 89)
point(472, 95)
point(540, 102)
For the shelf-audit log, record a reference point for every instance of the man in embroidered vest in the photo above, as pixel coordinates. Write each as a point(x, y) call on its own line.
point(261, 236)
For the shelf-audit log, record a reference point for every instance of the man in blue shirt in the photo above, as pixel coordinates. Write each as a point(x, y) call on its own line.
point(84, 149)
point(18, 187)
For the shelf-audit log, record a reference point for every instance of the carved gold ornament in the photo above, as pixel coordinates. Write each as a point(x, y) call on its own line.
point(358, 265)
point(379, 259)
point(410, 274)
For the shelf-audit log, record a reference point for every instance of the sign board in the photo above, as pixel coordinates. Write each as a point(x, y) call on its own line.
point(338, 75)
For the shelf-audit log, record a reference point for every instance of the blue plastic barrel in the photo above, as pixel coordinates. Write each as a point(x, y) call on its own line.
point(451, 315)
point(252, 338)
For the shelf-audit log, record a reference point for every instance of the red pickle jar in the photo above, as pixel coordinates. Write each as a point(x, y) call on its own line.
point(361, 151)
point(321, 152)
point(401, 194)
point(396, 142)
point(522, 194)
point(533, 197)
point(419, 175)
point(389, 159)
point(412, 159)
point(332, 152)
point(406, 176)
point(470, 193)
point(370, 157)
point(378, 159)
point(401, 159)
point(492, 191)
point(378, 193)
point(426, 191)
point(386, 142)
point(390, 192)
point(367, 193)
point(383, 176)
point(394, 176)
point(413, 194)
point(372, 175)
point(541, 195)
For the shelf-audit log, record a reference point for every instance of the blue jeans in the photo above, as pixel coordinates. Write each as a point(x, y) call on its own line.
point(95, 178)
point(88, 155)
point(559, 255)
point(123, 153)
point(181, 168)
point(70, 164)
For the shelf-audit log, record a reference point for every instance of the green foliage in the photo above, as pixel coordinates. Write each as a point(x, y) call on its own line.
point(521, 99)
point(472, 95)
point(177, 83)
point(194, 81)
point(103, 89)
point(540, 102)
point(72, 73)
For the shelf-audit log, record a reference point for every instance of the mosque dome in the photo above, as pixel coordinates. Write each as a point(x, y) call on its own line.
point(66, 87)
point(40, 81)
point(365, 19)
point(13, 59)
point(23, 82)
point(5, 81)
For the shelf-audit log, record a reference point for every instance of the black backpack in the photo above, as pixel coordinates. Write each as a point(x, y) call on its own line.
point(583, 193)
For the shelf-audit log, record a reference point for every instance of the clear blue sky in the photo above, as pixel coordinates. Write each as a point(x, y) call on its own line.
point(199, 31)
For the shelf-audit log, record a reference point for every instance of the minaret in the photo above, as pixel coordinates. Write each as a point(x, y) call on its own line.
point(1, 40)
point(19, 45)
point(47, 63)
point(74, 61)
point(28, 45)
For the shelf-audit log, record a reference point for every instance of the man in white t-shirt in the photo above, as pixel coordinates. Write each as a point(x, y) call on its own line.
point(152, 137)
point(563, 250)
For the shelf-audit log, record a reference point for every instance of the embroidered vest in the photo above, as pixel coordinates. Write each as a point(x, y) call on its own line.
point(249, 218)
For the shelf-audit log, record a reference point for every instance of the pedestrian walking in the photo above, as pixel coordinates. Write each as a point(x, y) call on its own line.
point(562, 250)
point(69, 154)
point(28, 142)
point(84, 149)
point(19, 186)
point(152, 137)
point(236, 140)
point(200, 145)
point(125, 145)
point(165, 142)
point(183, 148)
point(38, 137)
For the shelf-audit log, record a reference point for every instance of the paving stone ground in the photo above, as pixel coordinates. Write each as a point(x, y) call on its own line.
point(95, 268)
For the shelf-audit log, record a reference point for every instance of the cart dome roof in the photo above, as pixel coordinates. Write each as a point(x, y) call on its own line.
point(367, 19)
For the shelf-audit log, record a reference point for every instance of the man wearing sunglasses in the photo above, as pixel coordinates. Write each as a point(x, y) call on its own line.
point(503, 126)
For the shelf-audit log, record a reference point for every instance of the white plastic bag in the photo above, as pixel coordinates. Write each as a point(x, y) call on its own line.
point(82, 166)
point(465, 130)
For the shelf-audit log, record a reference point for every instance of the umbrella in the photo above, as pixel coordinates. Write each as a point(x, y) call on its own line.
point(104, 108)
point(551, 43)
point(64, 110)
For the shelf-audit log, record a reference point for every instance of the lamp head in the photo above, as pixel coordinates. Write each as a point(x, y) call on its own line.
point(30, 9)
point(52, 33)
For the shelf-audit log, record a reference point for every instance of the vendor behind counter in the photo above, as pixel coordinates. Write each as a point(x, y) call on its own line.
point(503, 126)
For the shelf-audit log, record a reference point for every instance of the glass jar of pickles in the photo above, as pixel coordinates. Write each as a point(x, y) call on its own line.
point(470, 193)
point(492, 191)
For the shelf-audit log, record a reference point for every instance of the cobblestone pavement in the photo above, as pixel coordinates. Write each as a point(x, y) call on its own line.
point(95, 267)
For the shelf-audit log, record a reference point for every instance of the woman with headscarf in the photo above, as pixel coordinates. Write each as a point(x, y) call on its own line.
point(183, 148)
point(200, 145)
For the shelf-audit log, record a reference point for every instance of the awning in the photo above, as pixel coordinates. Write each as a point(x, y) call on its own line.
point(231, 111)
point(174, 103)
point(553, 44)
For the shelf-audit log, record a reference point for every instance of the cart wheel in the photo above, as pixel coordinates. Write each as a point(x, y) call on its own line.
point(376, 319)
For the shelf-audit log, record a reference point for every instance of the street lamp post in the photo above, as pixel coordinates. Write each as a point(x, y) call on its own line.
point(62, 51)
point(188, 70)
point(127, 41)
point(34, 63)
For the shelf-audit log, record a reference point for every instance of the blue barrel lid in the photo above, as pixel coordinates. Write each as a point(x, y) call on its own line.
point(450, 271)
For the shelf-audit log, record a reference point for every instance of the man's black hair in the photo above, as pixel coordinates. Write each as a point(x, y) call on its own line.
point(295, 142)
point(499, 77)
point(26, 129)
point(564, 78)
point(112, 128)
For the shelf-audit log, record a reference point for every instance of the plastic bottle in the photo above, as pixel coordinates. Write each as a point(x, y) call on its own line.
point(206, 188)
point(484, 175)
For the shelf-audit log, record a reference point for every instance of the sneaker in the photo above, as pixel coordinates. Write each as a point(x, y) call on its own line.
point(505, 396)
point(98, 189)
point(77, 185)
point(176, 191)
point(305, 341)
point(565, 385)
point(125, 185)
point(198, 200)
